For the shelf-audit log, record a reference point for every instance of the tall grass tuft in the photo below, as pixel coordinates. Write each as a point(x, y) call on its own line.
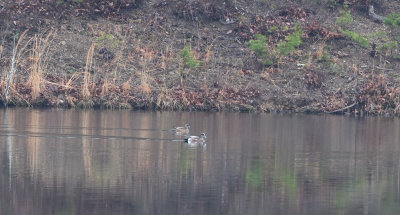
point(37, 56)
point(105, 86)
point(145, 78)
point(126, 87)
point(86, 74)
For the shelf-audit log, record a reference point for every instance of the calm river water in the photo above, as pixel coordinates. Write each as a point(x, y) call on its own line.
point(128, 162)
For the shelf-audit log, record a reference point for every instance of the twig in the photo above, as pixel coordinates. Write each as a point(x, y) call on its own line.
point(342, 109)
point(60, 85)
point(383, 68)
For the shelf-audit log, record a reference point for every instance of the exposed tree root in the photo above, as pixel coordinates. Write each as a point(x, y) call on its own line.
point(345, 108)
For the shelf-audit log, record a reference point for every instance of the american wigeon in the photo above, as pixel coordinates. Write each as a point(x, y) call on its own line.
point(181, 130)
point(196, 140)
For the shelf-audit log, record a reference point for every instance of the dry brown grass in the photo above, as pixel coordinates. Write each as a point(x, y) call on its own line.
point(71, 101)
point(38, 64)
point(320, 52)
point(146, 59)
point(126, 87)
point(165, 59)
point(105, 86)
point(165, 100)
point(144, 86)
point(73, 78)
point(208, 55)
point(22, 50)
point(86, 74)
point(163, 63)
point(265, 76)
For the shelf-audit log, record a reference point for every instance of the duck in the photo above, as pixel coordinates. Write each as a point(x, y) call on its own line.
point(181, 130)
point(196, 140)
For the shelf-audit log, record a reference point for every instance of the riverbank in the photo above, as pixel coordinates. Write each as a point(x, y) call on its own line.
point(203, 55)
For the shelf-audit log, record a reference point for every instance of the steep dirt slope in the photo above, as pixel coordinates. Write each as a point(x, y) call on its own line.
point(197, 55)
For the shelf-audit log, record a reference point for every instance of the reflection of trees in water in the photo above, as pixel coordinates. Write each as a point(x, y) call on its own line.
point(281, 165)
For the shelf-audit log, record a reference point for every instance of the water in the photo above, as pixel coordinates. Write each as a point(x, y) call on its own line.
point(125, 162)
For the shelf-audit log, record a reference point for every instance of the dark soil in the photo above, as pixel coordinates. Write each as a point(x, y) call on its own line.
point(125, 54)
